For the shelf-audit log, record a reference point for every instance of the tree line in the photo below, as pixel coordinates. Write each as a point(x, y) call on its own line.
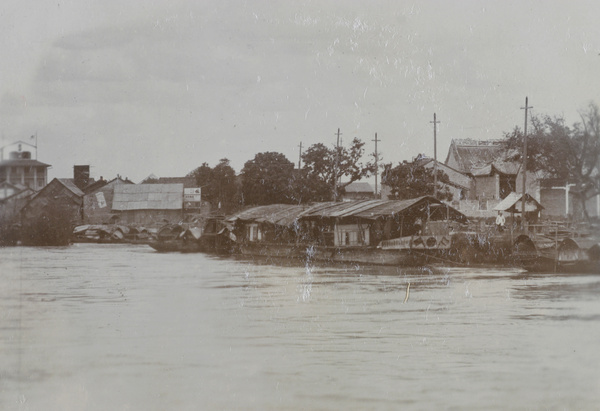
point(555, 151)
point(270, 178)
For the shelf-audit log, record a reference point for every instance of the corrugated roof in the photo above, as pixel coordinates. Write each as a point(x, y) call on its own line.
point(283, 214)
point(278, 214)
point(372, 209)
point(148, 197)
point(392, 207)
point(343, 209)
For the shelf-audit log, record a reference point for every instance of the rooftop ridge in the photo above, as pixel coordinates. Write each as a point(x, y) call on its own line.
point(476, 143)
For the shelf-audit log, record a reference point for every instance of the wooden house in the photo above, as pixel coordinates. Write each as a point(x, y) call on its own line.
point(148, 204)
point(269, 223)
point(492, 178)
point(367, 223)
point(358, 190)
point(344, 224)
point(98, 201)
point(50, 216)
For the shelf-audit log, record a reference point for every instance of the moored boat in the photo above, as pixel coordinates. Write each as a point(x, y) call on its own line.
point(212, 237)
point(564, 255)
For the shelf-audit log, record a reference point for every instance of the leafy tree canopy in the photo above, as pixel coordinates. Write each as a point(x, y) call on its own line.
point(267, 179)
point(218, 183)
point(562, 152)
point(323, 166)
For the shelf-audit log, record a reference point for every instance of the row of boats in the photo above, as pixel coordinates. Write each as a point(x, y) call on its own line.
point(552, 251)
point(544, 248)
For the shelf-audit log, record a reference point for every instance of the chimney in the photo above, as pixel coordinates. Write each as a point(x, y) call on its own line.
point(81, 175)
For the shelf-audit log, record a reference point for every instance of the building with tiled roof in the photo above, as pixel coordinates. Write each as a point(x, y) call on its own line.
point(493, 178)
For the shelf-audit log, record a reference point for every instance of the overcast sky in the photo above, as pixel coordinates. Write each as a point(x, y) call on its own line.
point(134, 88)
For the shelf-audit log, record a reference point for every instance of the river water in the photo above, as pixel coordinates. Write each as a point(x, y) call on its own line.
point(122, 327)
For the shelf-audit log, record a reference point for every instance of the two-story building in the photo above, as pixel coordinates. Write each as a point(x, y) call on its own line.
point(21, 170)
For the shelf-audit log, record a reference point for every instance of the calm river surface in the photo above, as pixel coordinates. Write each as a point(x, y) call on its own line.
point(118, 327)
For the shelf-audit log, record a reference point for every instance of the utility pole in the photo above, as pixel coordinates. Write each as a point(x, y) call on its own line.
point(337, 164)
point(376, 164)
point(300, 157)
point(435, 123)
point(524, 167)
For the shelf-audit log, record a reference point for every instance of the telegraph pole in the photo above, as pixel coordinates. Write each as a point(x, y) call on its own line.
point(524, 167)
point(435, 123)
point(376, 164)
point(337, 164)
point(300, 157)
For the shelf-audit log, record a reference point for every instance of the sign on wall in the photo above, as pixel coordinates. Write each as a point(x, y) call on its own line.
point(100, 199)
point(192, 197)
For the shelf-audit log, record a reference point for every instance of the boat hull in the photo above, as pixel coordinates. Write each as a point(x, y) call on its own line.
point(349, 255)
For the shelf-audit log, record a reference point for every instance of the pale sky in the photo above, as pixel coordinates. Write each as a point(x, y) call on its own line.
point(135, 88)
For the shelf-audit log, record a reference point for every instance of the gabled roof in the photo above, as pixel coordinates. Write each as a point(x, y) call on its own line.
point(457, 178)
point(100, 184)
point(513, 203)
point(471, 154)
point(69, 183)
point(148, 197)
point(95, 185)
point(500, 167)
point(481, 158)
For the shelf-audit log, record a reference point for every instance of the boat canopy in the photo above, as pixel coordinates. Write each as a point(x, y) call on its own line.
point(286, 215)
point(277, 214)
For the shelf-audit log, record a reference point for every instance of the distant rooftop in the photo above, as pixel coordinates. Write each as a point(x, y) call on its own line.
point(148, 197)
point(474, 156)
point(359, 187)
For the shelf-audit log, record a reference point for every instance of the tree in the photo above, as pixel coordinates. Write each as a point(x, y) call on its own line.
point(325, 166)
point(218, 184)
point(412, 179)
point(571, 154)
point(267, 179)
point(306, 188)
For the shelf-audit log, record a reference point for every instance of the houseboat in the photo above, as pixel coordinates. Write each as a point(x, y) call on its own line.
point(411, 232)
